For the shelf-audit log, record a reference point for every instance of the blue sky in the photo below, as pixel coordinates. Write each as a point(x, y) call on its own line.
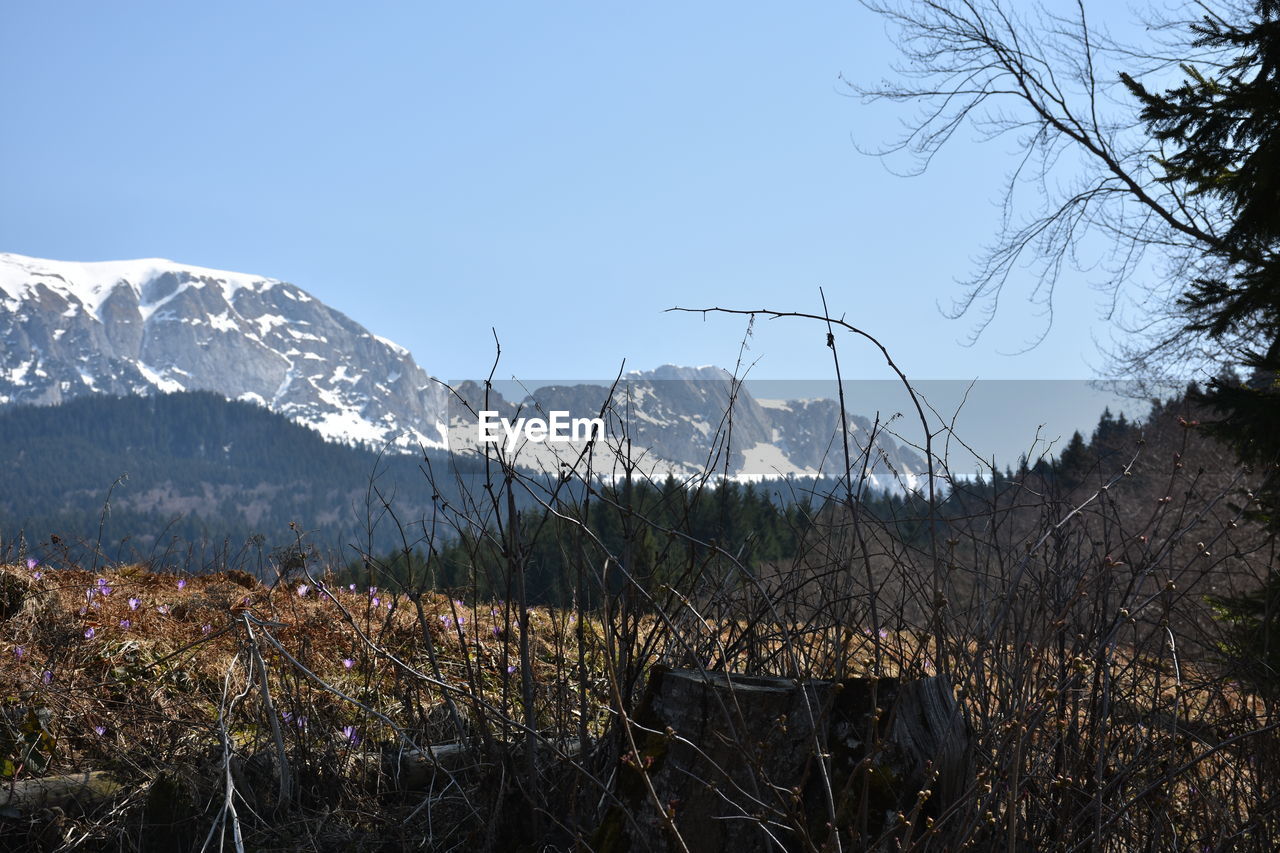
point(562, 172)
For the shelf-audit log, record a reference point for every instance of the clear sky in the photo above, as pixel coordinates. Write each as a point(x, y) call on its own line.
point(563, 172)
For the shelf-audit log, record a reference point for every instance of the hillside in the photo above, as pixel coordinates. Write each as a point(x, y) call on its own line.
point(200, 469)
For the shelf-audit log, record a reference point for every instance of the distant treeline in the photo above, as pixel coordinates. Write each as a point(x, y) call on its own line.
point(232, 478)
point(201, 469)
point(670, 534)
point(663, 534)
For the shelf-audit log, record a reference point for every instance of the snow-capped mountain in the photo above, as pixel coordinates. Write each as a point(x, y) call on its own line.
point(687, 420)
point(136, 327)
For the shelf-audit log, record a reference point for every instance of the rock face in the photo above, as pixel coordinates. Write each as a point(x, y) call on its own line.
point(685, 420)
point(136, 327)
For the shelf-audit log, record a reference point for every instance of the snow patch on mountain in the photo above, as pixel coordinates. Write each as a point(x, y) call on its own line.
point(142, 326)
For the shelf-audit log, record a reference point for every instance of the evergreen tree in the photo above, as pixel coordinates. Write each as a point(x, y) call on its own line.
point(1075, 462)
point(1222, 134)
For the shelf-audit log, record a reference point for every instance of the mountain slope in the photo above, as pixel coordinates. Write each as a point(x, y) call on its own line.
point(136, 327)
point(201, 467)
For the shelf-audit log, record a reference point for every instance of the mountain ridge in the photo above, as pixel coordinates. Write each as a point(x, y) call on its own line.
point(136, 327)
point(152, 325)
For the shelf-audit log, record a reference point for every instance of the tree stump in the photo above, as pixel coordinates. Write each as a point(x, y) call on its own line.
point(732, 762)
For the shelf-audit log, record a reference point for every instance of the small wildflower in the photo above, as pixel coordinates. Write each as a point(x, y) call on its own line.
point(376, 602)
point(347, 663)
point(287, 716)
point(89, 632)
point(125, 624)
point(884, 635)
point(457, 602)
point(352, 587)
point(100, 730)
point(32, 562)
point(133, 603)
point(19, 651)
point(373, 590)
point(302, 590)
point(89, 594)
point(46, 677)
point(205, 629)
point(37, 575)
point(511, 669)
point(182, 583)
point(105, 590)
point(302, 722)
point(462, 620)
point(163, 608)
point(349, 732)
point(101, 581)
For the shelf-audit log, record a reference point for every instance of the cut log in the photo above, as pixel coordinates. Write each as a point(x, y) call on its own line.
point(732, 763)
point(81, 790)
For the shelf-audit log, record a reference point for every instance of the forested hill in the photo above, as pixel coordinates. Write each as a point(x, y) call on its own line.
point(199, 468)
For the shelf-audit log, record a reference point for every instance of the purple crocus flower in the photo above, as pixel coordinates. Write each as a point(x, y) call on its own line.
point(349, 732)
point(89, 632)
point(182, 583)
point(46, 677)
point(302, 590)
point(32, 562)
point(19, 651)
point(347, 663)
point(100, 730)
point(125, 623)
point(133, 603)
